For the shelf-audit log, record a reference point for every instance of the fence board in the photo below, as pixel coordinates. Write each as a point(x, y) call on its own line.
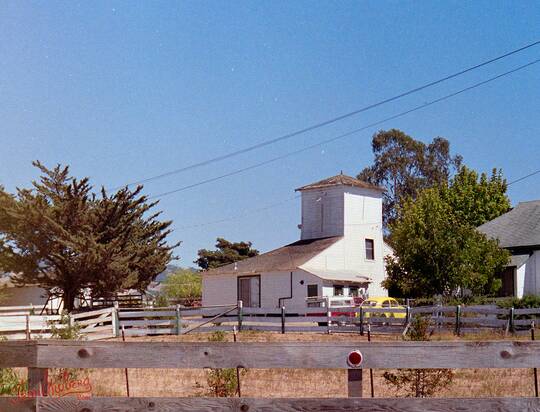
point(453, 354)
point(147, 314)
point(94, 404)
point(90, 314)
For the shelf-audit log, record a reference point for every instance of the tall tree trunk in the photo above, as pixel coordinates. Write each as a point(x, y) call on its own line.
point(69, 300)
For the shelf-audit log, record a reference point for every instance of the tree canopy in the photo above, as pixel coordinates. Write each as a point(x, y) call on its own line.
point(226, 252)
point(438, 250)
point(476, 200)
point(405, 166)
point(64, 238)
point(183, 285)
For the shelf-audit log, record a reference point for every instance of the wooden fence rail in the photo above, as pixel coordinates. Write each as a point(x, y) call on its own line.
point(38, 356)
point(108, 322)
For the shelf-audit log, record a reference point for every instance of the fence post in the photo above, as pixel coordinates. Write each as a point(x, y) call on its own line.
point(115, 320)
point(27, 327)
point(361, 309)
point(458, 320)
point(511, 319)
point(328, 315)
point(354, 383)
point(407, 313)
point(240, 314)
point(37, 381)
point(535, 370)
point(178, 320)
point(283, 319)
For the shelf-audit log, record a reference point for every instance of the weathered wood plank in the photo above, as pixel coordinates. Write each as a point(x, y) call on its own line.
point(147, 314)
point(15, 404)
point(96, 404)
point(303, 355)
point(38, 381)
point(148, 322)
point(18, 354)
point(90, 314)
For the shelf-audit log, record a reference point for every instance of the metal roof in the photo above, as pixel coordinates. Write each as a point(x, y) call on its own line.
point(286, 258)
point(341, 179)
point(520, 227)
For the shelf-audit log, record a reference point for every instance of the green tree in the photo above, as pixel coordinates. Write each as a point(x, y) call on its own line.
point(405, 166)
point(226, 252)
point(64, 238)
point(436, 252)
point(475, 199)
point(183, 285)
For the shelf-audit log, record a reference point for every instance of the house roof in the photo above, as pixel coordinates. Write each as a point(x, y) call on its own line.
point(338, 180)
point(342, 275)
point(518, 260)
point(520, 227)
point(285, 258)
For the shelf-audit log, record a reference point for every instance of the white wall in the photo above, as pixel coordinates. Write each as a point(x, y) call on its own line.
point(520, 280)
point(362, 219)
point(222, 289)
point(530, 269)
point(219, 290)
point(322, 213)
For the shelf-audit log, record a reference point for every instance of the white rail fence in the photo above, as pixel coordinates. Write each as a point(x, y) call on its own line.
point(113, 321)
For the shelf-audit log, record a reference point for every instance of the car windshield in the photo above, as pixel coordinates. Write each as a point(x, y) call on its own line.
point(369, 303)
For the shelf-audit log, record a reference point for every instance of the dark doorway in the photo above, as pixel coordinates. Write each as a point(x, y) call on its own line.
point(249, 291)
point(508, 282)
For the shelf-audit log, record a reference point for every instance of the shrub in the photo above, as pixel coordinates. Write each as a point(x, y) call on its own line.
point(419, 383)
point(9, 381)
point(220, 382)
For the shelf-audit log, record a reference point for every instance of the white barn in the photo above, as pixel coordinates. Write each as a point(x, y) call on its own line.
point(519, 232)
point(340, 252)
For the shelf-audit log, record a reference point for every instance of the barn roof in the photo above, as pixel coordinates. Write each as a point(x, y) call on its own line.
point(338, 180)
point(520, 227)
point(285, 258)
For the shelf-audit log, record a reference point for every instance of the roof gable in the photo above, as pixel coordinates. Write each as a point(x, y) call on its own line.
point(520, 227)
point(343, 180)
point(285, 258)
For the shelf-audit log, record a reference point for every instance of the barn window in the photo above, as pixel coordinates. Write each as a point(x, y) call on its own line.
point(338, 290)
point(353, 291)
point(312, 291)
point(370, 249)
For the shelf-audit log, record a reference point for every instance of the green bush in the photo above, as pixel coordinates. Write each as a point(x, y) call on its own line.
point(526, 302)
point(9, 381)
point(419, 383)
point(220, 382)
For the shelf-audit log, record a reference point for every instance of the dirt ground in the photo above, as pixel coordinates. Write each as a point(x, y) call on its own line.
point(302, 383)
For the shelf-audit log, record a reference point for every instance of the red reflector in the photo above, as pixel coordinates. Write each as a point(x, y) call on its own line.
point(355, 358)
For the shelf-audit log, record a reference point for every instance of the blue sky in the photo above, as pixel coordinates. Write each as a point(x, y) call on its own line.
point(122, 91)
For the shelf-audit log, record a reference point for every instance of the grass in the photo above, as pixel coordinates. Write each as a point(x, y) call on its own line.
point(304, 383)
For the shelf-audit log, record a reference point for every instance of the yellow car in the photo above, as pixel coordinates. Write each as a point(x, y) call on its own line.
point(383, 302)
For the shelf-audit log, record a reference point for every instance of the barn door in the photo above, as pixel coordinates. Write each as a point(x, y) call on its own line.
point(249, 291)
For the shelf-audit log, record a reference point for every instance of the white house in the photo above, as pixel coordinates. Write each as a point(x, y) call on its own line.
point(30, 295)
point(519, 232)
point(340, 252)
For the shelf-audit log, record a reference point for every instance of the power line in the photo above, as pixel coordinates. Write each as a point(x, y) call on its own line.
point(330, 121)
point(523, 177)
point(341, 136)
point(273, 205)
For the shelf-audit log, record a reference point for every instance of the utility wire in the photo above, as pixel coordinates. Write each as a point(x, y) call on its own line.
point(273, 205)
point(341, 136)
point(330, 121)
point(523, 177)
